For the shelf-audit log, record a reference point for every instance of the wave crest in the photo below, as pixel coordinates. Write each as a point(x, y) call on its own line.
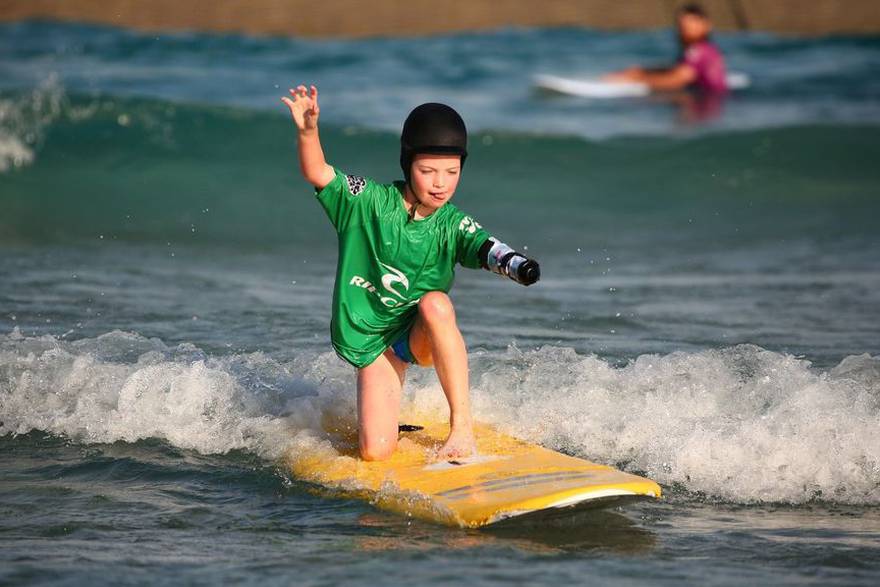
point(23, 122)
point(742, 424)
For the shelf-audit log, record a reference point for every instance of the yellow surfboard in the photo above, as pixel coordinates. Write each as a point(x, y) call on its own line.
point(507, 478)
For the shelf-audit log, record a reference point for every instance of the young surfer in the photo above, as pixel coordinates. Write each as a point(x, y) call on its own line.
point(700, 66)
point(398, 246)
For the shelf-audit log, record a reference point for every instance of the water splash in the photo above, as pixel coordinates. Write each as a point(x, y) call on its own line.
point(742, 424)
point(23, 122)
point(124, 387)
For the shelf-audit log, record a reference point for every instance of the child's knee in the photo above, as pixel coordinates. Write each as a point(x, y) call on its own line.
point(376, 448)
point(435, 306)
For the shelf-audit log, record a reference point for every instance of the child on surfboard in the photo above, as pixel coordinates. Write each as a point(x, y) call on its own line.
point(398, 247)
point(700, 66)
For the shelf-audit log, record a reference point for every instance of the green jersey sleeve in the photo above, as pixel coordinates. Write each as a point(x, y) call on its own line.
point(471, 237)
point(343, 197)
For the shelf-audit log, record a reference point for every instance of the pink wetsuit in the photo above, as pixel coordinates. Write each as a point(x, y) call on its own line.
point(706, 59)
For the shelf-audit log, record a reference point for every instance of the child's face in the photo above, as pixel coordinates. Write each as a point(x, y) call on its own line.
point(693, 28)
point(434, 178)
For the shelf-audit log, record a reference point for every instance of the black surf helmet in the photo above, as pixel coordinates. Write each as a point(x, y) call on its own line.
point(432, 128)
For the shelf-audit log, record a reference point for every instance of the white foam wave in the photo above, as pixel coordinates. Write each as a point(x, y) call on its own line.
point(741, 423)
point(23, 121)
point(124, 387)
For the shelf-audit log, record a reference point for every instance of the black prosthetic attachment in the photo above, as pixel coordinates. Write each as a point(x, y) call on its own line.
point(499, 258)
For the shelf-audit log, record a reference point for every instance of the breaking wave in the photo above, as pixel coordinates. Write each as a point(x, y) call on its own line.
point(741, 424)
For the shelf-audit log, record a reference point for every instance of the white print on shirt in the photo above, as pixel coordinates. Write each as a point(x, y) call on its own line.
point(388, 281)
point(469, 225)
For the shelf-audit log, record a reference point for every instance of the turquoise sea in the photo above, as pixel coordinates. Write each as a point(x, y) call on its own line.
point(708, 315)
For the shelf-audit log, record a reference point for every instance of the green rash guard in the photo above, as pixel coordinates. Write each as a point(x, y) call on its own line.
point(387, 262)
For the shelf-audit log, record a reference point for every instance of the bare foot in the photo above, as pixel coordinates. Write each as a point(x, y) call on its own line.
point(459, 443)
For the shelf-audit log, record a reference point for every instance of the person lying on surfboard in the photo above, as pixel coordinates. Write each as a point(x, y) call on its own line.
point(700, 66)
point(398, 247)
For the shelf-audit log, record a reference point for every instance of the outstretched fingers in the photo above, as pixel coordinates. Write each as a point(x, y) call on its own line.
point(303, 105)
point(309, 95)
point(290, 105)
point(298, 92)
point(314, 96)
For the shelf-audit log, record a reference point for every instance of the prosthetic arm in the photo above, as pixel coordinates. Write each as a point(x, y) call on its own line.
point(498, 258)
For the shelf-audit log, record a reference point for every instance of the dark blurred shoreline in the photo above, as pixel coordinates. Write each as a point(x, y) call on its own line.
point(352, 18)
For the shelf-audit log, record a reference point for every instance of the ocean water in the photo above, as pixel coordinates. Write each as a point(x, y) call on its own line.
point(709, 312)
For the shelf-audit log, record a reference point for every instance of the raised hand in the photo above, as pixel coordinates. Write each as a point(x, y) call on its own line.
point(303, 104)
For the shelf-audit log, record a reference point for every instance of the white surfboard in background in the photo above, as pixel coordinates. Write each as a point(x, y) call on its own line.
point(595, 88)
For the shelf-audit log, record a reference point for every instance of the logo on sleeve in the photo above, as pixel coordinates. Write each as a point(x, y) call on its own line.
point(356, 184)
point(469, 225)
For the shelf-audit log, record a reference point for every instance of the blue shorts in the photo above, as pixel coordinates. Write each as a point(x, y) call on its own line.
point(402, 350)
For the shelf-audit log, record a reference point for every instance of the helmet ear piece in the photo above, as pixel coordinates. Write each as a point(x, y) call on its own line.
point(406, 159)
point(407, 156)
